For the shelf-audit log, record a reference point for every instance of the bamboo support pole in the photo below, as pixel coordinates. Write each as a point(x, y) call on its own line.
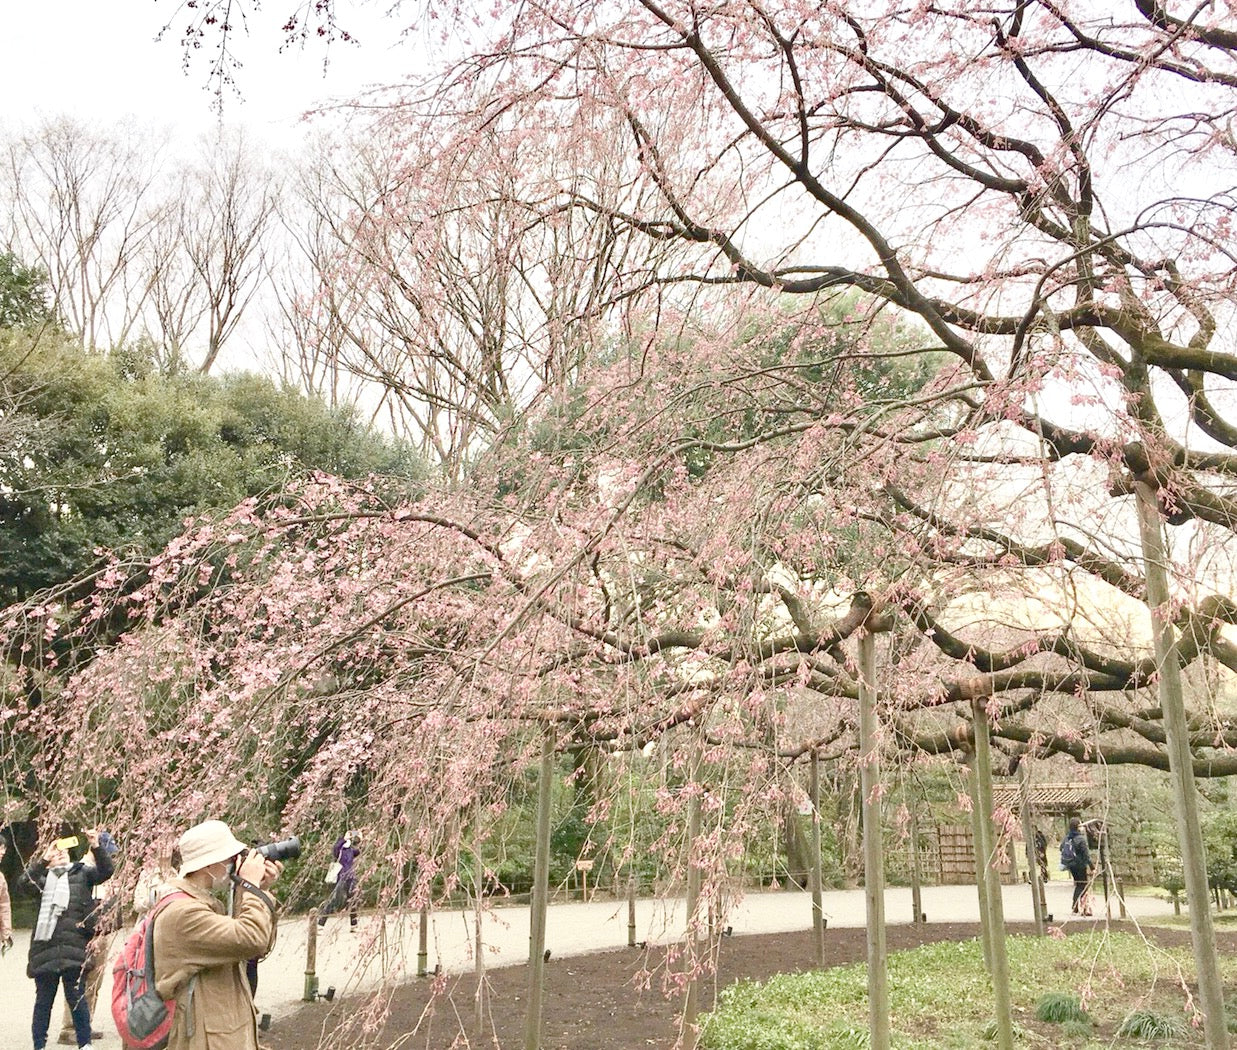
point(994, 915)
point(917, 915)
point(631, 910)
point(873, 851)
point(423, 943)
point(541, 897)
point(1028, 833)
point(818, 910)
point(1181, 769)
point(310, 993)
point(691, 1003)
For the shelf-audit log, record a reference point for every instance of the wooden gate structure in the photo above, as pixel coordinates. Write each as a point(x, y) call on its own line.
point(956, 846)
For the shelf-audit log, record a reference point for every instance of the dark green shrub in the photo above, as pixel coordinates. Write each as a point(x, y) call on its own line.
point(1059, 1007)
point(1152, 1027)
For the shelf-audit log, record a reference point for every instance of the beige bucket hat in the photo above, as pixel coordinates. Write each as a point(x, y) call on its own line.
point(206, 844)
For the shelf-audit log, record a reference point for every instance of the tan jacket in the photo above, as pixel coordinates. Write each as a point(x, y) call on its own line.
point(196, 936)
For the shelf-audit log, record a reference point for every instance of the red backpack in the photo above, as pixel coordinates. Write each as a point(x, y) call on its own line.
point(142, 1018)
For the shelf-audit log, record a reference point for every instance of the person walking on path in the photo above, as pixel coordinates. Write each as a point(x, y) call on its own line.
point(200, 951)
point(345, 852)
point(60, 943)
point(1076, 859)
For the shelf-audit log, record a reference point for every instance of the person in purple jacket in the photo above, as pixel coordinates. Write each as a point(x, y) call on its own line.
point(345, 852)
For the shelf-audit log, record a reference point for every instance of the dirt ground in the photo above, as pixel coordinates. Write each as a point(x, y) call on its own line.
point(592, 1002)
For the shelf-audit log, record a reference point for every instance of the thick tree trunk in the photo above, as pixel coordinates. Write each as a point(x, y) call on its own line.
point(1185, 794)
point(797, 844)
point(846, 827)
point(873, 853)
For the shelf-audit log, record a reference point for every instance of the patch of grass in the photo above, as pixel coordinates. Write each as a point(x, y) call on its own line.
point(990, 1032)
point(941, 995)
point(1152, 1027)
point(1059, 1007)
point(1076, 1029)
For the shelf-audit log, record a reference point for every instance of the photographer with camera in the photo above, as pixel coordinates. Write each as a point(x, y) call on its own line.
point(200, 951)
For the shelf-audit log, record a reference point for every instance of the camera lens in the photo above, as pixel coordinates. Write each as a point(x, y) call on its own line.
point(287, 849)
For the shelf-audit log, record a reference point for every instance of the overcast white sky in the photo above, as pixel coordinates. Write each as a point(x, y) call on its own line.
point(98, 59)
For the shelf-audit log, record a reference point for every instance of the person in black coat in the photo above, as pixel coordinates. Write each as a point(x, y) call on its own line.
point(60, 942)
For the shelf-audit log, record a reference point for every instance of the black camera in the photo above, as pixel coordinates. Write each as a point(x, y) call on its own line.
point(286, 849)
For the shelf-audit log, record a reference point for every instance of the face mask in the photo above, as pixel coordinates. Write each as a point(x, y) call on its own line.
point(220, 882)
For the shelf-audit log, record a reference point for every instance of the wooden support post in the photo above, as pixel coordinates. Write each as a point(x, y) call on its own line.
point(423, 943)
point(1181, 769)
point(873, 847)
point(310, 993)
point(994, 915)
point(1028, 833)
point(478, 890)
point(631, 910)
point(981, 880)
point(917, 916)
point(541, 897)
point(818, 909)
point(691, 1003)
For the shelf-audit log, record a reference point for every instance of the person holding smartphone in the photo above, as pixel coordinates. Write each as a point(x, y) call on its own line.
point(60, 943)
point(347, 849)
point(200, 950)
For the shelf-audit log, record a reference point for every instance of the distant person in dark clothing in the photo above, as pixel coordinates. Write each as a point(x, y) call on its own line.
point(1041, 854)
point(1076, 859)
point(345, 852)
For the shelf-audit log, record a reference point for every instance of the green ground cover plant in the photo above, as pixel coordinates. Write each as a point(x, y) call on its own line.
point(1059, 1007)
point(941, 997)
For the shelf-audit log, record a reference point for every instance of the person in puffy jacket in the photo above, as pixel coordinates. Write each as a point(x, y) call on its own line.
point(60, 942)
